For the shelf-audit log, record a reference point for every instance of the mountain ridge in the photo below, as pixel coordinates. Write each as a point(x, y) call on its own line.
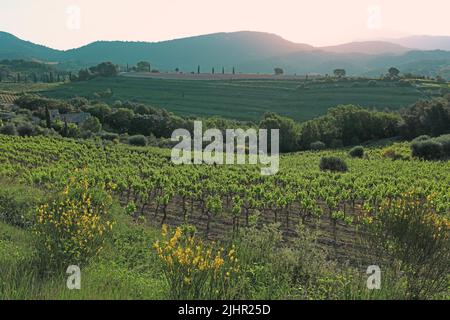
point(248, 51)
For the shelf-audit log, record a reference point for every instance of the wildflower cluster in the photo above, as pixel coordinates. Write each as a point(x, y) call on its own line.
point(411, 234)
point(73, 227)
point(412, 211)
point(195, 269)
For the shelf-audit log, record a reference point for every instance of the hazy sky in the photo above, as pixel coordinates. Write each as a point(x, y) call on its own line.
point(66, 24)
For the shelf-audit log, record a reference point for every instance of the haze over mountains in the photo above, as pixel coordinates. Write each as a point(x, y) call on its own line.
point(252, 52)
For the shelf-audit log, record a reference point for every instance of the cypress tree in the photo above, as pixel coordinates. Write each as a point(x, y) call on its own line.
point(66, 129)
point(48, 120)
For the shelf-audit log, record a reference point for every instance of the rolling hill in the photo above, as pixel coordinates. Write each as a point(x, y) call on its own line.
point(249, 52)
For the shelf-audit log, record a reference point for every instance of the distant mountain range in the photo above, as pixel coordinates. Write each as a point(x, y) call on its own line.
point(248, 52)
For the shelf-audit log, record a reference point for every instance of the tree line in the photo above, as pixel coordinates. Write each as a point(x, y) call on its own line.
point(341, 126)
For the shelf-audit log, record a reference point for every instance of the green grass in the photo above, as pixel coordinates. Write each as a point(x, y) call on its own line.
point(13, 88)
point(125, 270)
point(240, 99)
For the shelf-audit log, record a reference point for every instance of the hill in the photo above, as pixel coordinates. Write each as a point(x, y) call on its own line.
point(248, 52)
point(367, 47)
point(425, 42)
point(12, 47)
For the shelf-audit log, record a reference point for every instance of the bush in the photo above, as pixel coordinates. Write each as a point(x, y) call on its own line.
point(138, 140)
point(195, 269)
point(427, 150)
point(333, 164)
point(372, 83)
point(356, 152)
point(318, 145)
point(25, 130)
point(73, 226)
point(9, 130)
point(110, 136)
point(411, 233)
point(445, 142)
point(17, 205)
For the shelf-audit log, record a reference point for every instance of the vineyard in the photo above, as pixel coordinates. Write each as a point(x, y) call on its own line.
point(7, 98)
point(220, 201)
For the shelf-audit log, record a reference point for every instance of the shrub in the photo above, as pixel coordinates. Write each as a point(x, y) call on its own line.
point(194, 269)
point(9, 130)
point(356, 152)
point(318, 145)
point(110, 136)
point(73, 226)
point(333, 164)
point(138, 140)
point(17, 205)
point(25, 130)
point(411, 233)
point(445, 142)
point(372, 83)
point(427, 150)
point(398, 151)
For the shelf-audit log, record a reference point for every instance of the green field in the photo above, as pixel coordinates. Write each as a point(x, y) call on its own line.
point(242, 99)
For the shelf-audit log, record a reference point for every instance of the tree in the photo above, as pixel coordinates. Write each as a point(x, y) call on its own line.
point(278, 71)
point(48, 120)
point(143, 66)
point(101, 111)
point(92, 124)
point(339, 73)
point(120, 120)
point(393, 72)
point(289, 130)
point(105, 69)
point(65, 132)
point(84, 75)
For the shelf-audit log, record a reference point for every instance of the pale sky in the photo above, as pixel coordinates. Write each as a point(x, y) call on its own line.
point(64, 24)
